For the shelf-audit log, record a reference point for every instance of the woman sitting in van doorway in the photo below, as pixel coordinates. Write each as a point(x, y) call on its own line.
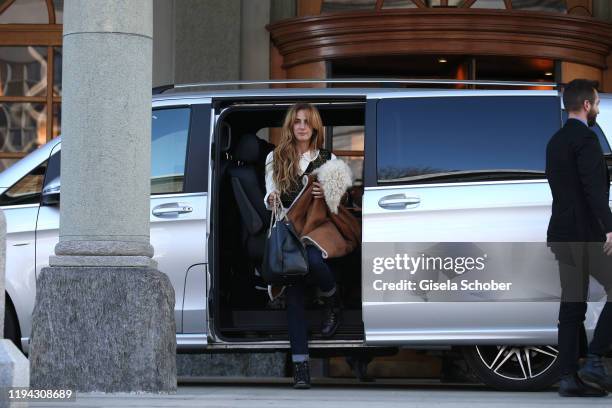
point(299, 153)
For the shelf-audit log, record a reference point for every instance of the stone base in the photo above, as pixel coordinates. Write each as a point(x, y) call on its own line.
point(103, 329)
point(102, 261)
point(232, 365)
point(14, 371)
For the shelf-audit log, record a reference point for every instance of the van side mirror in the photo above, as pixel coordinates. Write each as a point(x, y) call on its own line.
point(51, 193)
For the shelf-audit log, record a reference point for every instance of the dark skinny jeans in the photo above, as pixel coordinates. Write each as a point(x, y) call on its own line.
point(321, 275)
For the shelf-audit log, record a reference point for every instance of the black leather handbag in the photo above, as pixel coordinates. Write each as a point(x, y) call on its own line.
point(285, 260)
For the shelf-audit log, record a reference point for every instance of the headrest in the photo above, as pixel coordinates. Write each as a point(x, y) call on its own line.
point(247, 149)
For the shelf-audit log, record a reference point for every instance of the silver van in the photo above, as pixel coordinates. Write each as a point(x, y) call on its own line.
point(435, 166)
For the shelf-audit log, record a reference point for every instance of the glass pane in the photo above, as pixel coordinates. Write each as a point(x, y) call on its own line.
point(168, 150)
point(540, 5)
point(348, 138)
point(26, 12)
point(356, 165)
point(27, 190)
point(347, 5)
point(395, 4)
point(438, 3)
point(23, 71)
point(59, 11)
point(6, 163)
point(429, 139)
point(57, 120)
point(23, 126)
point(489, 4)
point(57, 71)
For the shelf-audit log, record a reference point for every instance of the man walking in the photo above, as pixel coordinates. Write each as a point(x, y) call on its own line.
point(580, 236)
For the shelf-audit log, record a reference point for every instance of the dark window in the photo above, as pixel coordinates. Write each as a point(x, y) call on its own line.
point(170, 130)
point(27, 190)
point(464, 138)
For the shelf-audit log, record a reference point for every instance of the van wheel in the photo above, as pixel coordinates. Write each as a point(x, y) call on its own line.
point(11, 327)
point(514, 368)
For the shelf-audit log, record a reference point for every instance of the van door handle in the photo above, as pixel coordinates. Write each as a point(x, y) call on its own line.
point(171, 208)
point(398, 201)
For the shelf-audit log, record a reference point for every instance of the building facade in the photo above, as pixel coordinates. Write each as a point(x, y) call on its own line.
point(212, 40)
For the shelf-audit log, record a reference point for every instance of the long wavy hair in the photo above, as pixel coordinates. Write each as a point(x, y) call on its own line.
point(286, 157)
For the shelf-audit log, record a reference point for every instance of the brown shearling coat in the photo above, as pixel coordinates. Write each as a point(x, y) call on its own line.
point(335, 234)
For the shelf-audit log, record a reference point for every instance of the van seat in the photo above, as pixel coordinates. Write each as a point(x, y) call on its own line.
point(247, 175)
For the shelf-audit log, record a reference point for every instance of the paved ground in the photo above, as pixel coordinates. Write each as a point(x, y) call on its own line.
point(342, 394)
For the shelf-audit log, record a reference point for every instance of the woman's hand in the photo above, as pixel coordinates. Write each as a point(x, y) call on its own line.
point(317, 190)
point(273, 198)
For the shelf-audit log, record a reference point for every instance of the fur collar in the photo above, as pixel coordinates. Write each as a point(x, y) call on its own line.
point(335, 177)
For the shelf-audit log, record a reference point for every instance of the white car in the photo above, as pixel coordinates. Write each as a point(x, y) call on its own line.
point(431, 166)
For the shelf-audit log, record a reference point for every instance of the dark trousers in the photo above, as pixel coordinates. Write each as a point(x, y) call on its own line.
point(577, 262)
point(321, 275)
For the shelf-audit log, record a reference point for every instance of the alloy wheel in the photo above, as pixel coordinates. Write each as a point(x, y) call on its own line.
point(518, 362)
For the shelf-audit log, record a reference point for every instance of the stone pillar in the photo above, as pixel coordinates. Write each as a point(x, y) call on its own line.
point(282, 9)
point(14, 368)
point(103, 318)
point(207, 41)
point(255, 40)
point(163, 42)
point(279, 10)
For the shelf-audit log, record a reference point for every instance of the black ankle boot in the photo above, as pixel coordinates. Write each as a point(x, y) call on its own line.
point(594, 372)
point(571, 385)
point(331, 318)
point(301, 375)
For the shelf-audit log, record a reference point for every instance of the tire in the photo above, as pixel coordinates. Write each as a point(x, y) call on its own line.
point(11, 326)
point(514, 368)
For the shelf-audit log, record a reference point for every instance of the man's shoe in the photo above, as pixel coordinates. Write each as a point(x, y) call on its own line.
point(301, 375)
point(572, 386)
point(594, 372)
point(331, 318)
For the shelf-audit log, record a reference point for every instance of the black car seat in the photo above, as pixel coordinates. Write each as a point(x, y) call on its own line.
point(247, 177)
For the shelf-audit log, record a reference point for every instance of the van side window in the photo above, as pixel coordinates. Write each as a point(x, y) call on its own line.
point(27, 190)
point(170, 130)
point(425, 140)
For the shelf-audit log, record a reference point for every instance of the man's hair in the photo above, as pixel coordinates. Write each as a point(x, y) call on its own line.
point(578, 91)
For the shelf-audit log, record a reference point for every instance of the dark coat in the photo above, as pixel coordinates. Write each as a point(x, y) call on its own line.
point(579, 180)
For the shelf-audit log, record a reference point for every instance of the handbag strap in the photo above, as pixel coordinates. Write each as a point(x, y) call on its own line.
point(275, 211)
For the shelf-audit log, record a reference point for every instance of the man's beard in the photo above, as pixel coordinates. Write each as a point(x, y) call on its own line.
point(591, 118)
